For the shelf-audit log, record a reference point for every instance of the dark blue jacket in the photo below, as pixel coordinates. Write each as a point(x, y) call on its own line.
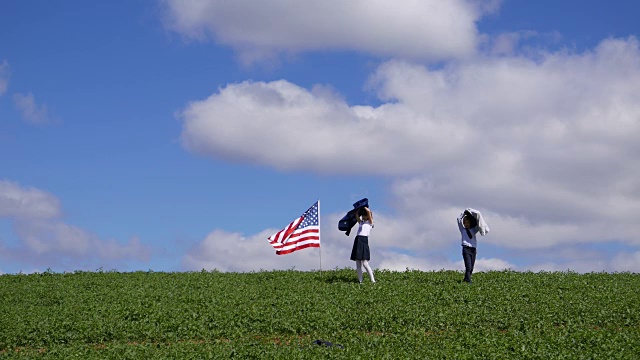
point(346, 223)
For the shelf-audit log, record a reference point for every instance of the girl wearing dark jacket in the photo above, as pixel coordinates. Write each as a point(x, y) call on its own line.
point(360, 252)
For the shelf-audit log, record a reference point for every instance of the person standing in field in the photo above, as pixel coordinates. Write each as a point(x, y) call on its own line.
point(360, 252)
point(470, 223)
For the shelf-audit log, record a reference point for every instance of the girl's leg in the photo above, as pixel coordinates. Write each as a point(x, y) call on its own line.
point(365, 263)
point(468, 254)
point(359, 269)
point(473, 258)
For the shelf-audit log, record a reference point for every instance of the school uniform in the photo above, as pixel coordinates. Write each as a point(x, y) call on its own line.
point(469, 239)
point(349, 220)
point(360, 250)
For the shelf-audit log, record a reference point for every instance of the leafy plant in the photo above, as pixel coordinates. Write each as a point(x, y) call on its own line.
point(279, 314)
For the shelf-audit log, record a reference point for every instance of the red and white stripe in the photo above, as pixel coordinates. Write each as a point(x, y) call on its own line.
point(291, 239)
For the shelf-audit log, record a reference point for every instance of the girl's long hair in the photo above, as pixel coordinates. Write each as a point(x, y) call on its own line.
point(363, 213)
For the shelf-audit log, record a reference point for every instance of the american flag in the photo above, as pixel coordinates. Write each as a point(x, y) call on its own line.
point(302, 233)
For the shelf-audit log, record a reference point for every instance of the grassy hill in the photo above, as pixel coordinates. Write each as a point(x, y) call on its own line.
point(279, 314)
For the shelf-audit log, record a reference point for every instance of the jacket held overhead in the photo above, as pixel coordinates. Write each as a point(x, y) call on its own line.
point(346, 223)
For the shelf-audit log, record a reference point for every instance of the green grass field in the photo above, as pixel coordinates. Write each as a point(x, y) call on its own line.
point(278, 315)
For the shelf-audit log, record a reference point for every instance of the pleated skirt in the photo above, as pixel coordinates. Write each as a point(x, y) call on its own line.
point(360, 249)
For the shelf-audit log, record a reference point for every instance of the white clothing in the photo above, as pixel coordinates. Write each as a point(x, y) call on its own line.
point(365, 263)
point(365, 228)
point(466, 240)
point(482, 228)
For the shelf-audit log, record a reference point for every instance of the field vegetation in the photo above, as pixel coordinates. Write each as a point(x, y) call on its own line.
point(279, 315)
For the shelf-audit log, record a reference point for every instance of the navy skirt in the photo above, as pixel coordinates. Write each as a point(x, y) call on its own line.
point(360, 249)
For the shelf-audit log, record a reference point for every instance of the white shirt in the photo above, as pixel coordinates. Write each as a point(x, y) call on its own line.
point(482, 228)
point(466, 240)
point(365, 228)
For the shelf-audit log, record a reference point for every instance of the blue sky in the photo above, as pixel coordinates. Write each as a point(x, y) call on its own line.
point(178, 135)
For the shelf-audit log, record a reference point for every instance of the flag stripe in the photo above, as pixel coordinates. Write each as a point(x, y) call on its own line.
point(286, 232)
point(314, 236)
point(298, 243)
point(284, 252)
point(301, 233)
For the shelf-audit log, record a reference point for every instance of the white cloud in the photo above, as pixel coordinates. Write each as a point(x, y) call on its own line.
point(234, 252)
point(520, 117)
point(527, 42)
point(618, 262)
point(29, 203)
point(46, 240)
point(54, 237)
point(395, 261)
point(506, 43)
point(113, 249)
point(416, 29)
point(546, 147)
point(400, 262)
point(490, 264)
point(275, 123)
point(626, 262)
point(31, 112)
point(4, 77)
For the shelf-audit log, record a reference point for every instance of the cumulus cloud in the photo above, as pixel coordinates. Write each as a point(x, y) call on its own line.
point(529, 42)
point(46, 240)
point(629, 262)
point(236, 252)
point(273, 123)
point(27, 203)
point(4, 77)
point(31, 112)
point(546, 147)
point(395, 261)
point(416, 29)
point(400, 262)
point(561, 113)
point(226, 251)
point(618, 262)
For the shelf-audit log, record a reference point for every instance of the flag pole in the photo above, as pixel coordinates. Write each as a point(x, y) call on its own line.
point(319, 237)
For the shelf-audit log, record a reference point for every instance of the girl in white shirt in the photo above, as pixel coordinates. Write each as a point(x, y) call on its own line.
point(470, 223)
point(360, 252)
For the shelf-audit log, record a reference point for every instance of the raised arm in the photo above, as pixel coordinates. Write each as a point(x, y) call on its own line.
point(369, 214)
